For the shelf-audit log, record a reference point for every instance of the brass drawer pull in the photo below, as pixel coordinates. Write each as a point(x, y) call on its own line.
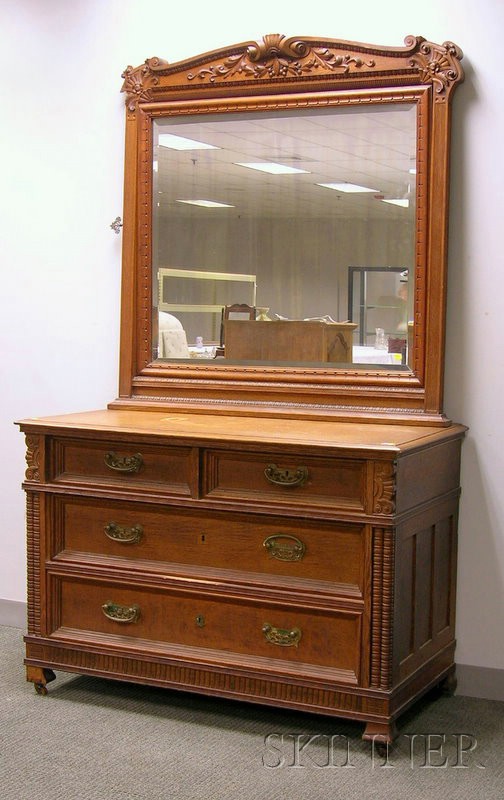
point(123, 535)
point(124, 463)
point(280, 636)
point(123, 614)
point(286, 477)
point(284, 547)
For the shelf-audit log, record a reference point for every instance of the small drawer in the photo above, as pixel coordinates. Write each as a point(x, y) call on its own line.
point(117, 464)
point(220, 627)
point(322, 552)
point(296, 480)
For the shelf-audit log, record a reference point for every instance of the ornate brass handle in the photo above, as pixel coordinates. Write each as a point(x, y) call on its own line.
point(124, 463)
point(124, 535)
point(122, 614)
point(280, 636)
point(286, 477)
point(284, 547)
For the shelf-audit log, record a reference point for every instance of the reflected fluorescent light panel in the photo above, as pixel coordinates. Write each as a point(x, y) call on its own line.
point(181, 143)
point(271, 167)
point(347, 187)
point(403, 203)
point(206, 203)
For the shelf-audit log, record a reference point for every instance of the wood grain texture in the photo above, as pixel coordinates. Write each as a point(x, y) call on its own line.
point(360, 624)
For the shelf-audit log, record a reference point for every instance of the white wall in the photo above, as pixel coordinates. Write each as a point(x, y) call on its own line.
point(62, 151)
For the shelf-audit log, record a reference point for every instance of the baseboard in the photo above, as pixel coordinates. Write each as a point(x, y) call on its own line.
point(13, 614)
point(483, 682)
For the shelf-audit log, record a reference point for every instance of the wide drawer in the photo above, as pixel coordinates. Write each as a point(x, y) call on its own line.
point(214, 625)
point(297, 480)
point(141, 533)
point(168, 470)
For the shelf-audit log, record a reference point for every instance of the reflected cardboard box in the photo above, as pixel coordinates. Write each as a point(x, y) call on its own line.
point(289, 340)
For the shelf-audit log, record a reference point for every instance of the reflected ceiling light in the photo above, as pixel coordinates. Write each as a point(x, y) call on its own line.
point(181, 143)
point(155, 166)
point(402, 202)
point(271, 167)
point(412, 170)
point(347, 187)
point(206, 203)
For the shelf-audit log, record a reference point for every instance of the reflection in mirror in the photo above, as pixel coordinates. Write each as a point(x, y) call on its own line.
point(306, 216)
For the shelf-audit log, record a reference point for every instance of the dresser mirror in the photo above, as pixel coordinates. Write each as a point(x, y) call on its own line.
point(305, 182)
point(270, 210)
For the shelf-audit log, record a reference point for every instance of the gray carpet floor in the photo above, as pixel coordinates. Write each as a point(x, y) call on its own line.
point(91, 739)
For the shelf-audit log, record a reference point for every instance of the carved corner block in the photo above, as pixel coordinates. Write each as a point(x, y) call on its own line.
point(33, 447)
point(439, 65)
point(384, 487)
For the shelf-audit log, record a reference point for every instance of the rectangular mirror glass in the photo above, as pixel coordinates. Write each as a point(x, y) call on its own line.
point(306, 218)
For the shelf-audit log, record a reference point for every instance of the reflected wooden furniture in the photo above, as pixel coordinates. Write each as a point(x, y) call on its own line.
point(290, 340)
point(274, 534)
point(198, 297)
point(236, 311)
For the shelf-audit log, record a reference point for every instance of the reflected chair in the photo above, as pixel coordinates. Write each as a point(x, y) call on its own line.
point(235, 311)
point(172, 340)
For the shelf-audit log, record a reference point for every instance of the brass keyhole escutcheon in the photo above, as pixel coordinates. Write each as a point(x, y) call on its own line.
point(200, 621)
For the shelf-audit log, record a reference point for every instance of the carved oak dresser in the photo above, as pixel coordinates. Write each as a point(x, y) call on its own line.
point(275, 531)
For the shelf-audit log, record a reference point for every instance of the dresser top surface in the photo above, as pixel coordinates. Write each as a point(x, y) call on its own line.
point(223, 428)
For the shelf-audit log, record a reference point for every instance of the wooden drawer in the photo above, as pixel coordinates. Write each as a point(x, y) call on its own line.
point(141, 533)
point(116, 464)
point(297, 480)
point(222, 627)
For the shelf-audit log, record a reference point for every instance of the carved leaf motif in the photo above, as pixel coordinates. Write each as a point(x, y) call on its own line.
point(439, 64)
point(33, 458)
point(134, 84)
point(384, 488)
point(278, 57)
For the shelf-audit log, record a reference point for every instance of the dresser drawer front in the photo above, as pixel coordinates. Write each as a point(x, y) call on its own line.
point(154, 468)
point(293, 480)
point(264, 630)
point(326, 552)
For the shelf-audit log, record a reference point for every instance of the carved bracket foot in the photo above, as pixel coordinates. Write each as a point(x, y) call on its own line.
point(40, 677)
point(380, 733)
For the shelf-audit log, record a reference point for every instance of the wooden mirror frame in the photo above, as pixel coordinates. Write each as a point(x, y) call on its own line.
point(273, 74)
